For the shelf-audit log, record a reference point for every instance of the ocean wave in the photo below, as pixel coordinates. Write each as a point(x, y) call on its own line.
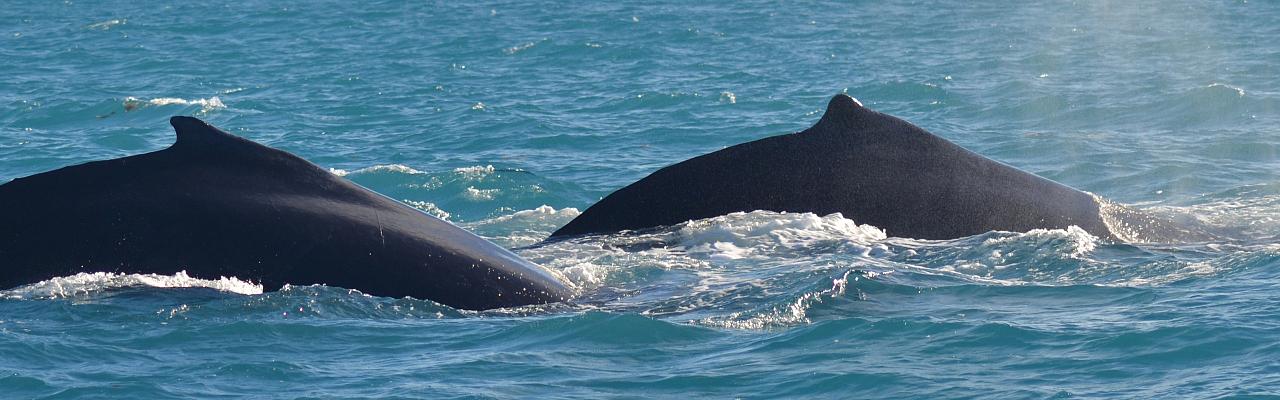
point(793, 313)
point(206, 105)
point(1248, 214)
point(387, 168)
point(1219, 86)
point(108, 24)
point(429, 208)
point(1073, 241)
point(468, 194)
point(521, 47)
point(906, 91)
point(1039, 256)
point(763, 233)
point(749, 270)
point(87, 283)
point(524, 227)
point(474, 194)
point(475, 172)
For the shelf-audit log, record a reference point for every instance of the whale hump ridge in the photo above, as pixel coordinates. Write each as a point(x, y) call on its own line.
point(214, 204)
point(872, 167)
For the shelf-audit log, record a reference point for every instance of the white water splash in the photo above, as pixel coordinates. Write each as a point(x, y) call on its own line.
point(206, 105)
point(429, 208)
point(525, 227)
point(475, 173)
point(762, 233)
point(471, 193)
point(85, 283)
point(1076, 239)
point(391, 168)
point(538, 216)
point(794, 313)
point(472, 173)
point(1187, 271)
point(108, 24)
point(728, 98)
point(585, 275)
point(1239, 91)
point(519, 48)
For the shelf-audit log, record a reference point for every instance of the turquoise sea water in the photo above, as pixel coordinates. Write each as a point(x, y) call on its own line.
point(507, 118)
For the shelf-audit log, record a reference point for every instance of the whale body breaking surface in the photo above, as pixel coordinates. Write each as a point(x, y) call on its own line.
point(217, 205)
point(874, 169)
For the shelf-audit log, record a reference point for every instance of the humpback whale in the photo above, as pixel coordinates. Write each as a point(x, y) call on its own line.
point(214, 204)
point(875, 169)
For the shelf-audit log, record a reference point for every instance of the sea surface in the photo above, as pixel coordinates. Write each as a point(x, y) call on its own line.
point(508, 118)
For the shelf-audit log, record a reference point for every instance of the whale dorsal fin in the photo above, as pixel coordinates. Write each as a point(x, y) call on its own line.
point(198, 139)
point(196, 134)
point(841, 112)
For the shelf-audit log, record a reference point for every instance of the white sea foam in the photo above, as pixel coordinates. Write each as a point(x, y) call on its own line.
point(206, 105)
point(429, 208)
point(1186, 271)
point(524, 227)
point(519, 48)
point(475, 173)
point(472, 173)
point(728, 97)
point(582, 274)
point(471, 193)
point(1239, 91)
point(108, 24)
point(1250, 216)
point(1037, 257)
point(386, 168)
point(760, 233)
point(86, 283)
point(543, 213)
point(1077, 241)
point(585, 275)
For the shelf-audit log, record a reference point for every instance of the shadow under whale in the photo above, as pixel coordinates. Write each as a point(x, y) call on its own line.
point(216, 205)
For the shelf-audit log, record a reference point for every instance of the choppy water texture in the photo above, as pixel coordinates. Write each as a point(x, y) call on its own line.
point(507, 118)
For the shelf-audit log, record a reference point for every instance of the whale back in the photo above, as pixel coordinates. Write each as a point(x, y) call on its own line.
point(871, 167)
point(214, 204)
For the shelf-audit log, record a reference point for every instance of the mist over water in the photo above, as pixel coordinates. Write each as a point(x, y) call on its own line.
point(508, 119)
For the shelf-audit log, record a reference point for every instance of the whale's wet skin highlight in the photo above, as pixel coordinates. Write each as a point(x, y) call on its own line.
point(507, 119)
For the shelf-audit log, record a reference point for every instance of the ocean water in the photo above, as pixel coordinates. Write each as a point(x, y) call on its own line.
point(507, 118)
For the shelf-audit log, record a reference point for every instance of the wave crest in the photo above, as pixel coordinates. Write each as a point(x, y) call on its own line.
point(206, 105)
point(760, 233)
point(794, 313)
point(87, 283)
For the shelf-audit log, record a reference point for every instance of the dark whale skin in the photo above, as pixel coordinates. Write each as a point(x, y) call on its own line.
point(871, 167)
point(214, 204)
